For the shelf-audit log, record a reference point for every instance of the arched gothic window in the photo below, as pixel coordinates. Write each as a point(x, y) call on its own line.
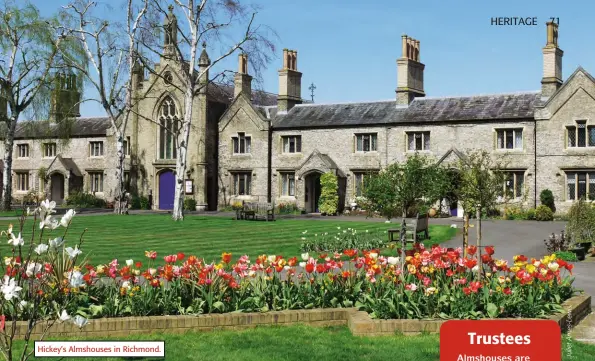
point(169, 121)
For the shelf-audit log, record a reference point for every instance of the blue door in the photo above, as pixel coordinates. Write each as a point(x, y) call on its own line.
point(167, 182)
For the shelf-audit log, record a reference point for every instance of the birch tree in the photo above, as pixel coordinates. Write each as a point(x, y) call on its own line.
point(110, 51)
point(227, 24)
point(29, 51)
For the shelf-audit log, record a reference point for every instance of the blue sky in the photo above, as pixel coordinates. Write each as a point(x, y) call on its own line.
point(349, 48)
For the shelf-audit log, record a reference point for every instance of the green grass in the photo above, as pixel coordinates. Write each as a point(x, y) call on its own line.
point(296, 343)
point(127, 237)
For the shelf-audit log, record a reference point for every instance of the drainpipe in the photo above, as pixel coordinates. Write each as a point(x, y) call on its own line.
point(270, 162)
point(535, 162)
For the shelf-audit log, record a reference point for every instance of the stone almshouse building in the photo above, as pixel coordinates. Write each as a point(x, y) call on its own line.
point(255, 146)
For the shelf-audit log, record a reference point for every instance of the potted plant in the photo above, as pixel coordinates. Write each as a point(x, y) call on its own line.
point(586, 245)
point(579, 251)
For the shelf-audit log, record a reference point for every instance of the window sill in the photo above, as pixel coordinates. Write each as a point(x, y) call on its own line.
point(96, 156)
point(418, 151)
point(363, 152)
point(286, 197)
point(242, 154)
point(292, 154)
point(513, 150)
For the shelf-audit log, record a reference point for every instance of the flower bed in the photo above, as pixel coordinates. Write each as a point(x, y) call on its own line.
point(48, 280)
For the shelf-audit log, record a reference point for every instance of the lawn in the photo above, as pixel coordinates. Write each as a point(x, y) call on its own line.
point(127, 237)
point(307, 343)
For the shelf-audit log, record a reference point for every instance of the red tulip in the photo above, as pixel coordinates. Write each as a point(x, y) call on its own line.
point(310, 267)
point(489, 250)
point(471, 250)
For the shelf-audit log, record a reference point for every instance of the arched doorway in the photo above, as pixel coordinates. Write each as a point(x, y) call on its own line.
point(167, 186)
point(312, 192)
point(57, 188)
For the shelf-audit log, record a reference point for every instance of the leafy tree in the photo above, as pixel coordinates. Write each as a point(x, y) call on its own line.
point(418, 180)
point(480, 188)
point(329, 197)
point(30, 51)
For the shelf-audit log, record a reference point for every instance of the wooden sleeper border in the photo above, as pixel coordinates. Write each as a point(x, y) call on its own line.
point(359, 322)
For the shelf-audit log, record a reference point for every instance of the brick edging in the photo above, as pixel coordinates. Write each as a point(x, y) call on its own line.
point(359, 322)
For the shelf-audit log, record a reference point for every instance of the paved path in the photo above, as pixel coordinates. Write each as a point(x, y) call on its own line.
point(585, 331)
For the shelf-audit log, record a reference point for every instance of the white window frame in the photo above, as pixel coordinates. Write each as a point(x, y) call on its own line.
point(574, 128)
point(286, 141)
point(235, 181)
point(501, 137)
point(23, 148)
point(22, 181)
point(241, 143)
point(287, 184)
point(96, 149)
point(96, 182)
point(360, 142)
point(50, 150)
point(423, 135)
point(589, 183)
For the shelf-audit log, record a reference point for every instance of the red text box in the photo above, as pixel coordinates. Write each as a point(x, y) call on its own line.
point(500, 340)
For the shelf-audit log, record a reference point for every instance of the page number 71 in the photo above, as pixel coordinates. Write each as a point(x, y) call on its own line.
point(555, 20)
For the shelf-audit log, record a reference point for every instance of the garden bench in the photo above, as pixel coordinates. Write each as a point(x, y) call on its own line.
point(253, 210)
point(418, 225)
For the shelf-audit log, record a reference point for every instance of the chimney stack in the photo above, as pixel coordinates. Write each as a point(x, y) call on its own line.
point(410, 72)
point(552, 62)
point(242, 81)
point(290, 83)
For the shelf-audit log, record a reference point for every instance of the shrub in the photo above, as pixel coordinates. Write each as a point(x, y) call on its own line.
point(547, 199)
point(514, 213)
point(566, 256)
point(581, 222)
point(544, 213)
point(189, 204)
point(329, 198)
point(530, 214)
point(85, 200)
point(139, 202)
point(557, 243)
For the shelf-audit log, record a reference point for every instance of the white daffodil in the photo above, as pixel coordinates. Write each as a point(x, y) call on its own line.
point(56, 242)
point(303, 264)
point(272, 258)
point(33, 269)
point(16, 241)
point(73, 252)
point(64, 316)
point(126, 284)
point(65, 221)
point(80, 321)
point(41, 249)
point(392, 260)
point(305, 256)
point(129, 262)
point(76, 279)
point(10, 288)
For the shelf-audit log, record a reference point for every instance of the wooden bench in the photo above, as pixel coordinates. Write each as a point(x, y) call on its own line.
point(253, 210)
point(412, 229)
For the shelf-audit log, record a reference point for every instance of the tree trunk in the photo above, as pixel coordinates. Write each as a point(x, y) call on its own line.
point(465, 233)
point(120, 199)
point(403, 240)
point(178, 211)
point(7, 171)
